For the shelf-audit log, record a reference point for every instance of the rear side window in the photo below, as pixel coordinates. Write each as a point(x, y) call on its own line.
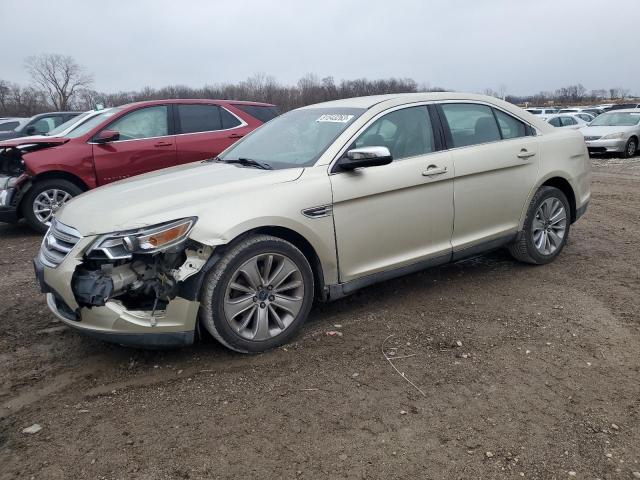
point(5, 127)
point(199, 118)
point(229, 120)
point(555, 122)
point(406, 133)
point(566, 121)
point(470, 124)
point(147, 122)
point(509, 126)
point(263, 113)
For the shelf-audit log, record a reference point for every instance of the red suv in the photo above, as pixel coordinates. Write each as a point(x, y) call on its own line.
point(39, 174)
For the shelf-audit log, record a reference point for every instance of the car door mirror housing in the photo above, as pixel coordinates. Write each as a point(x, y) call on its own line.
point(365, 157)
point(31, 130)
point(106, 136)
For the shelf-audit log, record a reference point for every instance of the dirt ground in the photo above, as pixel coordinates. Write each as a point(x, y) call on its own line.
point(524, 371)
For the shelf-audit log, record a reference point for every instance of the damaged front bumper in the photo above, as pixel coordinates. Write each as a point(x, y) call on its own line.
point(117, 318)
point(9, 196)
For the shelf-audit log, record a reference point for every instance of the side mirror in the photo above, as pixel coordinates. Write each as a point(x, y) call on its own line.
point(31, 130)
point(106, 136)
point(365, 157)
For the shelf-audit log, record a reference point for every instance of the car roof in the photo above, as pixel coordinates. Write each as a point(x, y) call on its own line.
point(194, 100)
point(624, 110)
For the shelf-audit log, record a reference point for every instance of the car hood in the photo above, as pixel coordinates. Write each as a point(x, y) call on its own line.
point(602, 131)
point(39, 140)
point(178, 192)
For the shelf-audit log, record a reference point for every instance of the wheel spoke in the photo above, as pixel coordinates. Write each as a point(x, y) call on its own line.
point(234, 306)
point(283, 271)
point(285, 287)
point(555, 239)
point(276, 317)
point(289, 304)
point(251, 273)
point(248, 316)
point(241, 288)
point(262, 325)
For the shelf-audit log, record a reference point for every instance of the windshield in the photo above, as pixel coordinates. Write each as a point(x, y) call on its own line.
point(295, 139)
point(90, 123)
point(63, 126)
point(616, 120)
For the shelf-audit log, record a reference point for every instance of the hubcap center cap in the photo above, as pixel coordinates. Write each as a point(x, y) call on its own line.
point(262, 295)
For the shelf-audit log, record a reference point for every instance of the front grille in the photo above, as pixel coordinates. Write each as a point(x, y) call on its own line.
point(57, 243)
point(590, 139)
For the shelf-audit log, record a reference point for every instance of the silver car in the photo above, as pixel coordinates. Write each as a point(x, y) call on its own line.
point(312, 206)
point(616, 131)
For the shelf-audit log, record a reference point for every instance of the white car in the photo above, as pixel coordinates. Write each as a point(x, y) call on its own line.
point(616, 131)
point(565, 120)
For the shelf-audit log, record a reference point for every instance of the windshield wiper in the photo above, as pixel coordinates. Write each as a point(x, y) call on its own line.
point(249, 162)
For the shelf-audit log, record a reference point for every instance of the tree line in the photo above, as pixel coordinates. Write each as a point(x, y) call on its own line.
point(60, 83)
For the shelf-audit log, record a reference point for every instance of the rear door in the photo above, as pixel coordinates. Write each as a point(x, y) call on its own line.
point(205, 130)
point(145, 144)
point(496, 162)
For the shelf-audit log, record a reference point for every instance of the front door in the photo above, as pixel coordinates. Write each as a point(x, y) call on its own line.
point(144, 145)
point(398, 214)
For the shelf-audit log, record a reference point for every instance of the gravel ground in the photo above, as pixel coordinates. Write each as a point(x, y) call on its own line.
point(519, 371)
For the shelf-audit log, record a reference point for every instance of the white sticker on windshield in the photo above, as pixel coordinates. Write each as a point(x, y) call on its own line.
point(335, 118)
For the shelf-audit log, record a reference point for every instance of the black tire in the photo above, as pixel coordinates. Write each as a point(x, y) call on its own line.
point(630, 148)
point(39, 187)
point(524, 249)
point(212, 294)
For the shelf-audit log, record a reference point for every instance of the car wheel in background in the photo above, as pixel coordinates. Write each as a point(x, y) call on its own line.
point(630, 148)
point(44, 199)
point(546, 228)
point(258, 294)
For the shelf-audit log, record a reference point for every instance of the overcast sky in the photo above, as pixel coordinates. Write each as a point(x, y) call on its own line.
point(466, 45)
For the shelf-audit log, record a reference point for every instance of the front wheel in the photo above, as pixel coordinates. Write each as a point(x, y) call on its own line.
point(44, 199)
point(257, 295)
point(630, 148)
point(546, 228)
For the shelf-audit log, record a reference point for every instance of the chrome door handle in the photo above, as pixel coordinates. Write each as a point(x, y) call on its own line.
point(163, 144)
point(525, 154)
point(433, 170)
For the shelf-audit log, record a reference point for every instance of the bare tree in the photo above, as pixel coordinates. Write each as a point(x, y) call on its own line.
point(59, 76)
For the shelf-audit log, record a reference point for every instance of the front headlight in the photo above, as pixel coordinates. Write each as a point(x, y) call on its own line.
point(613, 136)
point(153, 239)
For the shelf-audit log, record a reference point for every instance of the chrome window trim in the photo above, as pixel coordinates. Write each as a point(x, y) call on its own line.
point(432, 102)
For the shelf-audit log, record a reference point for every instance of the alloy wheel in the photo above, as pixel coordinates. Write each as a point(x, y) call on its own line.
point(48, 202)
point(549, 226)
point(264, 296)
point(631, 148)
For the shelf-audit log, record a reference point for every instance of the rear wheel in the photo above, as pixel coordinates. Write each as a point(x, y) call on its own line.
point(44, 199)
point(630, 148)
point(546, 228)
point(257, 295)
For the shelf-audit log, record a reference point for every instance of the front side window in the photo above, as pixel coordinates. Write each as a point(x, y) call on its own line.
point(295, 139)
point(509, 126)
point(470, 124)
point(45, 124)
point(406, 133)
point(199, 118)
point(5, 127)
point(567, 121)
point(147, 122)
